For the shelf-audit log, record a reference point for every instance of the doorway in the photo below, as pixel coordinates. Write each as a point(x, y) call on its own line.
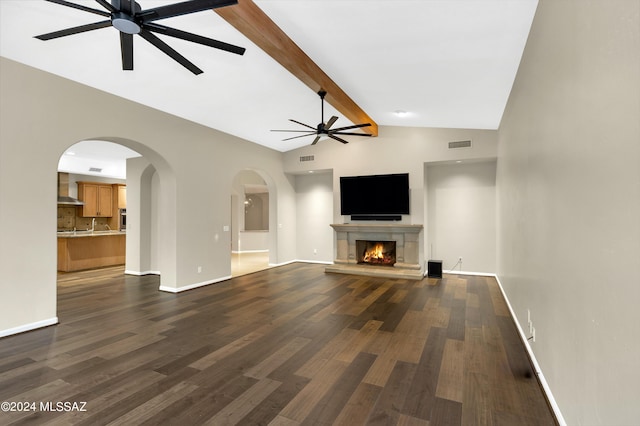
point(91, 207)
point(250, 213)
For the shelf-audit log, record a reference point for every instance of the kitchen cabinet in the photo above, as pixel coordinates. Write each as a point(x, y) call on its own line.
point(121, 195)
point(88, 250)
point(119, 205)
point(97, 199)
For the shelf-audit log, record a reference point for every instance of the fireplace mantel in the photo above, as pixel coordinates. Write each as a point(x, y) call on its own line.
point(385, 227)
point(409, 262)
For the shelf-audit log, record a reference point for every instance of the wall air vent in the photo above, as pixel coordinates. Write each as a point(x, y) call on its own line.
point(460, 144)
point(307, 158)
point(95, 169)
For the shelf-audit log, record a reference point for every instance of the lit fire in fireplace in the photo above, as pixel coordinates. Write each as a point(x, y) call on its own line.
point(379, 253)
point(375, 254)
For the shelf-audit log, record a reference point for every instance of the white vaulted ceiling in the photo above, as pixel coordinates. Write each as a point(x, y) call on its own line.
point(447, 63)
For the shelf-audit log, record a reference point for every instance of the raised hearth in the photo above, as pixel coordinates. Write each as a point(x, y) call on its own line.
point(406, 238)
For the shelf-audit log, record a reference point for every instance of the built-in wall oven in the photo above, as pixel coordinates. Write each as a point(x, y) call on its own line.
point(123, 219)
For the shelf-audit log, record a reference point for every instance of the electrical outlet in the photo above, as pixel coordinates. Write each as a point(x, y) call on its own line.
point(315, 251)
point(199, 269)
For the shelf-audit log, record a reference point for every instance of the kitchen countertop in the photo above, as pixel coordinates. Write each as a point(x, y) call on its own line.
point(81, 234)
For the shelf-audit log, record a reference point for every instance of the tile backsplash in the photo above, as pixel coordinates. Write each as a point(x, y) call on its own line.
point(68, 219)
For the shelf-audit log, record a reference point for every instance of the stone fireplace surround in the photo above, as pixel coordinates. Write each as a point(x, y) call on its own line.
point(409, 263)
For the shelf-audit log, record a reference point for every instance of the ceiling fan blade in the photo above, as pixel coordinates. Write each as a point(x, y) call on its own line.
point(296, 137)
point(80, 7)
point(330, 122)
point(294, 131)
point(153, 39)
point(333, 132)
point(107, 5)
point(126, 47)
point(74, 30)
point(194, 38)
point(355, 126)
point(183, 8)
point(302, 124)
point(325, 129)
point(332, 136)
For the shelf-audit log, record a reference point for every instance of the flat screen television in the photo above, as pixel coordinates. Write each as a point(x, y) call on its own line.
point(374, 194)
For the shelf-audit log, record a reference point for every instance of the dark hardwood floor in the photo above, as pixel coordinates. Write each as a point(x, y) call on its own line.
point(285, 346)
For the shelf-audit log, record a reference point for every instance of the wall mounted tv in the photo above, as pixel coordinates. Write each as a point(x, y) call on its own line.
point(375, 196)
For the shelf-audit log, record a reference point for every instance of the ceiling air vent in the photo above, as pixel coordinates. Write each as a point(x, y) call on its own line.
point(460, 144)
point(95, 169)
point(307, 158)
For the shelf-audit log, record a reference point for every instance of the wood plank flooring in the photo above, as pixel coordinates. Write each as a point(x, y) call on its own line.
point(290, 345)
point(248, 263)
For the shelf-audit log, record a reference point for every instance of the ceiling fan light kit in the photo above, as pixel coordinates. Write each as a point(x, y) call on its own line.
point(125, 23)
point(128, 17)
point(325, 128)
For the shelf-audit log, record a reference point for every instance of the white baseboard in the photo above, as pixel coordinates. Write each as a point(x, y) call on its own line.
point(481, 274)
point(192, 286)
point(321, 262)
point(536, 366)
point(140, 273)
point(283, 263)
point(28, 327)
point(288, 262)
point(248, 251)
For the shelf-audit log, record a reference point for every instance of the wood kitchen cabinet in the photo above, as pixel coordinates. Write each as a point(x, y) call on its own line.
point(119, 204)
point(120, 194)
point(82, 251)
point(97, 199)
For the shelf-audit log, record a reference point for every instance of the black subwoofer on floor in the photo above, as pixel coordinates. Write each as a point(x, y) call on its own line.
point(434, 268)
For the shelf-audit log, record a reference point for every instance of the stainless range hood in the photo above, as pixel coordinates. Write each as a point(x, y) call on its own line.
point(63, 192)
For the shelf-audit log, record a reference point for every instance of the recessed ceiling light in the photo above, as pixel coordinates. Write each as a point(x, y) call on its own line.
point(400, 113)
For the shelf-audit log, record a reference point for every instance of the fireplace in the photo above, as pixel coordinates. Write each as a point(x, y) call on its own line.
point(396, 250)
point(376, 252)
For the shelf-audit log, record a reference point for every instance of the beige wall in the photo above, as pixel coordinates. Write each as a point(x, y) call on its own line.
point(42, 115)
point(461, 215)
point(314, 205)
point(143, 192)
point(569, 204)
point(400, 150)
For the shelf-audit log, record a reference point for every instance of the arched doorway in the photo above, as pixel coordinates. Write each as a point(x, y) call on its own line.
point(116, 167)
point(252, 232)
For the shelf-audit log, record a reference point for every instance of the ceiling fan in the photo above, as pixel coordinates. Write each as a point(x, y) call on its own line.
point(128, 17)
point(325, 128)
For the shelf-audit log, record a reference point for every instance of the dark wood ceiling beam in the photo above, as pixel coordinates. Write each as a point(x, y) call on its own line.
point(251, 21)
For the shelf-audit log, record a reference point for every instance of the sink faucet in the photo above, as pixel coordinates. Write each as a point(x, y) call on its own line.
point(107, 226)
point(93, 224)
